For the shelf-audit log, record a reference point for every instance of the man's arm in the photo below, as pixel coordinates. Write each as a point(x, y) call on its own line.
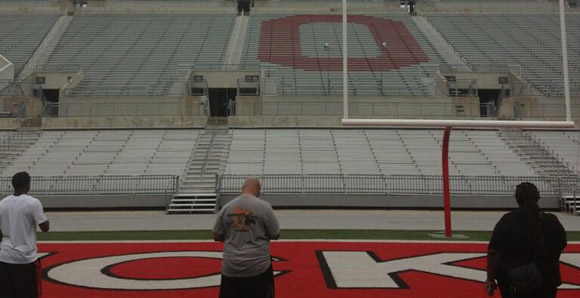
point(1, 235)
point(218, 237)
point(272, 225)
point(45, 226)
point(493, 258)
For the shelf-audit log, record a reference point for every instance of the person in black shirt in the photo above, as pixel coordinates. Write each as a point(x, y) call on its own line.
point(522, 237)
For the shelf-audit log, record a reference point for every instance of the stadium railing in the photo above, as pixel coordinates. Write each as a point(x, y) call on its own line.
point(98, 185)
point(393, 185)
point(393, 109)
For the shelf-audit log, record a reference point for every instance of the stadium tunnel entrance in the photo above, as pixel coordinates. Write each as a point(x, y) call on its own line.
point(51, 95)
point(490, 99)
point(222, 101)
point(490, 87)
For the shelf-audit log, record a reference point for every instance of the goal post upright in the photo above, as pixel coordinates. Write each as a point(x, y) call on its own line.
point(448, 125)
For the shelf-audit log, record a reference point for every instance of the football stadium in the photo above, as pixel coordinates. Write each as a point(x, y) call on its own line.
point(388, 136)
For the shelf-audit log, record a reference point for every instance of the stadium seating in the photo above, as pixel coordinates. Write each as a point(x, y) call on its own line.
point(564, 145)
point(388, 152)
point(138, 54)
point(530, 41)
point(115, 152)
point(21, 34)
point(317, 81)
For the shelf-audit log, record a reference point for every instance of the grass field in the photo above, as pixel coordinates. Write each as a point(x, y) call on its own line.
point(285, 234)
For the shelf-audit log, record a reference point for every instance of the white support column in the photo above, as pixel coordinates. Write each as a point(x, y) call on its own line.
point(565, 60)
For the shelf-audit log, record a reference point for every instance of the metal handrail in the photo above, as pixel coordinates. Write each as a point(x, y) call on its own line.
point(388, 185)
point(98, 185)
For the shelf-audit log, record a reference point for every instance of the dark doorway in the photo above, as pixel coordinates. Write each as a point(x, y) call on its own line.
point(245, 6)
point(51, 95)
point(221, 101)
point(489, 100)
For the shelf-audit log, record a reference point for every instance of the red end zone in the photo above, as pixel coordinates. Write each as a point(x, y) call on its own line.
point(304, 269)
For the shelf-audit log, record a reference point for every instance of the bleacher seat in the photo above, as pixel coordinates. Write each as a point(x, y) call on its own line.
point(531, 42)
point(22, 34)
point(315, 80)
point(138, 54)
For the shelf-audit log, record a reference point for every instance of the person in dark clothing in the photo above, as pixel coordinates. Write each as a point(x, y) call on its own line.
point(526, 237)
point(411, 4)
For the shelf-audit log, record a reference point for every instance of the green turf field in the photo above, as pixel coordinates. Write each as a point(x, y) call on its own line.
point(285, 234)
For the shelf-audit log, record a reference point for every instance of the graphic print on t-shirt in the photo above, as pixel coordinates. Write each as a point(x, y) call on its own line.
point(242, 219)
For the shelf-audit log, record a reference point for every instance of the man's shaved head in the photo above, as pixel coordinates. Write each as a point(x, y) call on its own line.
point(252, 187)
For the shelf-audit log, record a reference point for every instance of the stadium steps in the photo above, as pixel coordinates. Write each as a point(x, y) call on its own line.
point(197, 187)
point(192, 203)
point(531, 152)
point(46, 47)
point(14, 144)
point(570, 204)
point(447, 52)
point(233, 56)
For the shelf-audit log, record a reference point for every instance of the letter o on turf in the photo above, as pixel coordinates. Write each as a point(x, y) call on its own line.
point(89, 273)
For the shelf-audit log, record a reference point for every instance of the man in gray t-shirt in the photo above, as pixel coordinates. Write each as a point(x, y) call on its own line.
point(246, 225)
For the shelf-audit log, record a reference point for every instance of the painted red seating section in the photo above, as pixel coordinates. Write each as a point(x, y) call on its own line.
point(280, 44)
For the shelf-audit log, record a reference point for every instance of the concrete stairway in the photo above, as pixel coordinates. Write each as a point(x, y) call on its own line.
point(570, 204)
point(47, 47)
point(196, 192)
point(447, 52)
point(539, 158)
point(14, 145)
point(236, 44)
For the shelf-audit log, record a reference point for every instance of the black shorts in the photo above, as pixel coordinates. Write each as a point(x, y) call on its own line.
point(20, 280)
point(259, 286)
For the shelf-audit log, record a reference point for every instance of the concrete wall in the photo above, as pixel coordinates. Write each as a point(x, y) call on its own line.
point(537, 108)
point(33, 106)
point(9, 123)
point(360, 106)
point(157, 7)
point(130, 122)
point(114, 202)
point(223, 78)
point(284, 121)
point(53, 80)
point(297, 201)
point(130, 106)
point(385, 201)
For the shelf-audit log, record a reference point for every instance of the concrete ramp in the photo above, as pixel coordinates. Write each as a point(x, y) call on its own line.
point(46, 47)
point(236, 44)
point(448, 53)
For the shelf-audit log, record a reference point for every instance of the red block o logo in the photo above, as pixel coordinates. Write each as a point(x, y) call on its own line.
point(280, 44)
